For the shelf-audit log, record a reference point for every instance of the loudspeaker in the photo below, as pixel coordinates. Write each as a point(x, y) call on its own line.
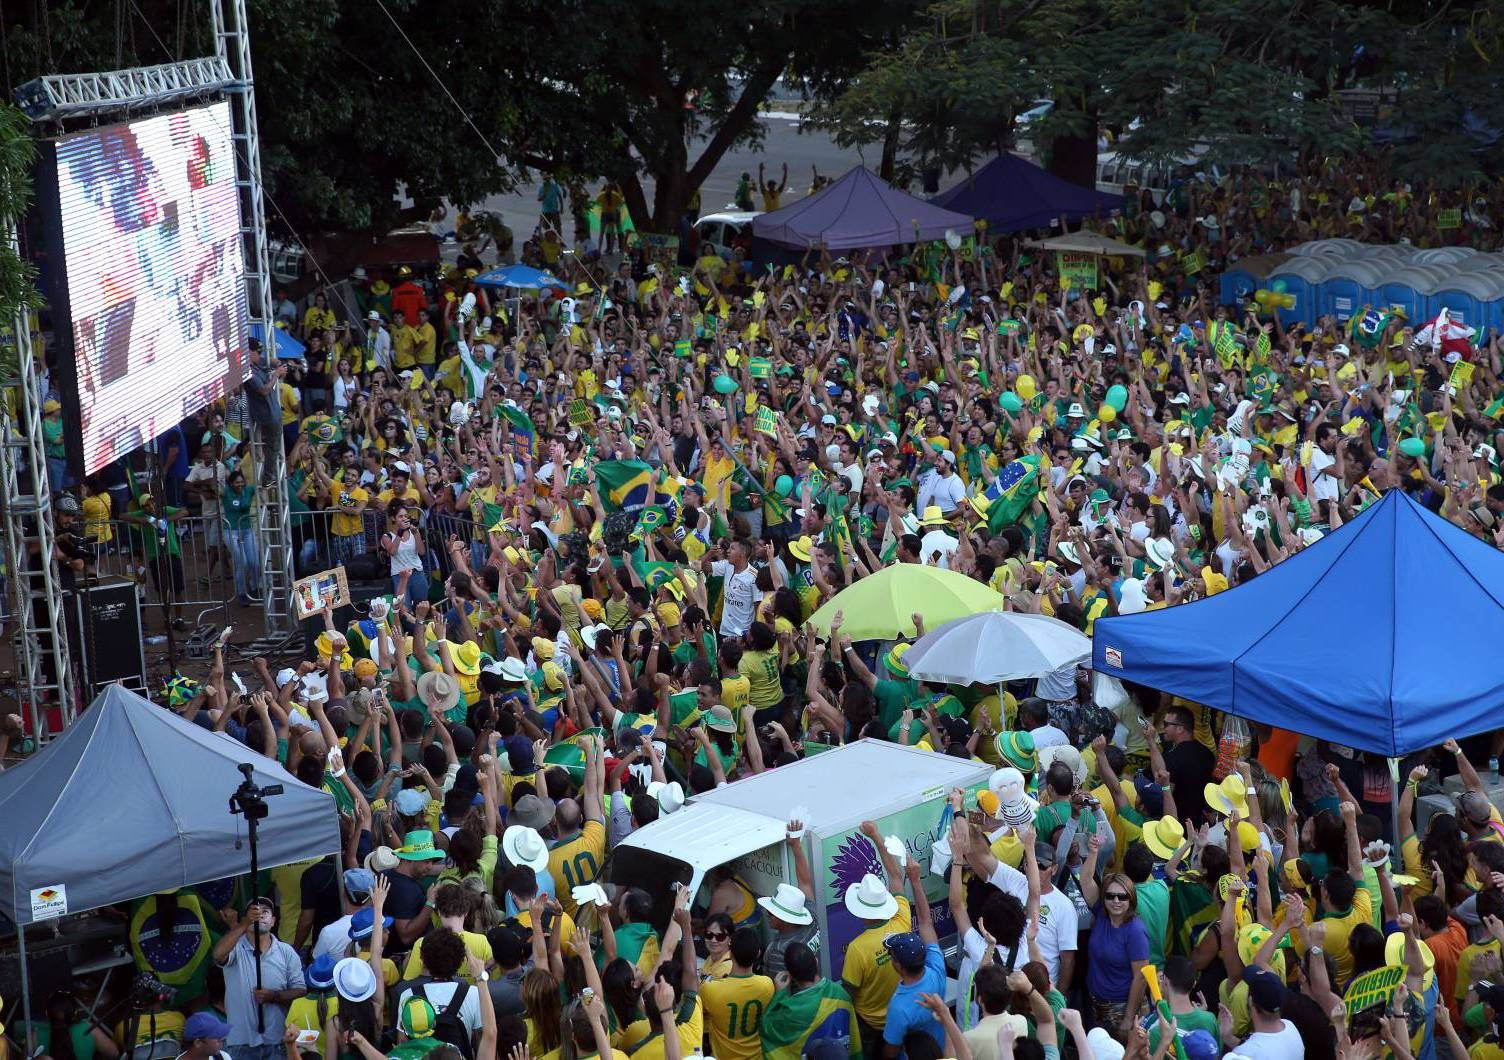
point(103, 625)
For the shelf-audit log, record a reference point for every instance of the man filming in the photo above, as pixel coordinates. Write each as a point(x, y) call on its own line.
point(263, 975)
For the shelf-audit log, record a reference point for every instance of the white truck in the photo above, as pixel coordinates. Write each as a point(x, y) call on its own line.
point(740, 829)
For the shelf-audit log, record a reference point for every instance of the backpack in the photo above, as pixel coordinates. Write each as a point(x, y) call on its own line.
point(448, 1027)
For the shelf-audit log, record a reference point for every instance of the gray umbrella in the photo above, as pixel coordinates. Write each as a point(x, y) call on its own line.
point(996, 646)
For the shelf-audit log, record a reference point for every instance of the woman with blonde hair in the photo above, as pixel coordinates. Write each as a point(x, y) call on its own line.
point(1118, 947)
point(544, 1005)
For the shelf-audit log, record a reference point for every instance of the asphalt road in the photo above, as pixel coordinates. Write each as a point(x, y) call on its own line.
point(784, 143)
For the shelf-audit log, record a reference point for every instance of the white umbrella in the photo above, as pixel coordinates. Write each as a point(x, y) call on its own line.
point(996, 646)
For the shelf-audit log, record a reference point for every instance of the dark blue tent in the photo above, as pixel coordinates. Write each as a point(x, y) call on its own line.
point(1012, 194)
point(1382, 636)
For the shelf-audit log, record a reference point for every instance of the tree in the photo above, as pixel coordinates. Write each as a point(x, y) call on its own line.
point(1224, 81)
point(667, 92)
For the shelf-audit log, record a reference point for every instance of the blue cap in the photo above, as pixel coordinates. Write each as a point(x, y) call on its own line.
point(1265, 989)
point(359, 882)
point(1199, 1045)
point(364, 921)
point(205, 1025)
point(320, 974)
point(907, 950)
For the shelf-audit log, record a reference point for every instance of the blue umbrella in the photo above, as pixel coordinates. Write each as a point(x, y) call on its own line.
point(287, 347)
point(523, 276)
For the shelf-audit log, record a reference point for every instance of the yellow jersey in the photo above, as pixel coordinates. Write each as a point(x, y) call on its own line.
point(304, 1015)
point(475, 944)
point(1465, 959)
point(690, 1022)
point(345, 524)
point(1339, 928)
point(734, 1006)
point(868, 974)
point(576, 862)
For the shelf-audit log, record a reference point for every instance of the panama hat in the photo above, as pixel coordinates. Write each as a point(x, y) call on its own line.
point(719, 718)
point(1163, 837)
point(787, 904)
point(535, 811)
point(1159, 552)
point(1394, 954)
point(1067, 754)
point(466, 657)
point(802, 549)
point(1230, 795)
point(524, 846)
point(871, 900)
point(932, 516)
point(1017, 748)
point(670, 796)
point(893, 661)
point(354, 980)
point(438, 691)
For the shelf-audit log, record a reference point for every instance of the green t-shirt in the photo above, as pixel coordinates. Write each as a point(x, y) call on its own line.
point(1154, 911)
point(52, 436)
point(78, 1035)
point(892, 697)
point(238, 507)
point(152, 539)
point(1186, 1022)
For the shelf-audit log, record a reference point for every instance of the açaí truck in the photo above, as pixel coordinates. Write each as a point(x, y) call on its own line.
point(741, 827)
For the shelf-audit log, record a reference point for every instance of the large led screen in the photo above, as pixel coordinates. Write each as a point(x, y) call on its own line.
point(153, 274)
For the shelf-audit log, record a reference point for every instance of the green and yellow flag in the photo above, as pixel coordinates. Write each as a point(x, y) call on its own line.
point(791, 1020)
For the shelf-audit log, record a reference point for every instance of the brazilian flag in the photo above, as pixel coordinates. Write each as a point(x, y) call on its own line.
point(1191, 912)
point(1013, 490)
point(624, 485)
point(521, 426)
point(792, 1020)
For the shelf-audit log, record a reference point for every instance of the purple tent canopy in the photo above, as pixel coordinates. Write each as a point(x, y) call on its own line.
point(857, 212)
point(1012, 194)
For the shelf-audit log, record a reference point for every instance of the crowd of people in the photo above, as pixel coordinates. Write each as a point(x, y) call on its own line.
point(608, 513)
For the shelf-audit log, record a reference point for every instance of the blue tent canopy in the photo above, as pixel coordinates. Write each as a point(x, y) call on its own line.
point(857, 212)
point(288, 348)
point(1012, 194)
point(1382, 636)
point(524, 276)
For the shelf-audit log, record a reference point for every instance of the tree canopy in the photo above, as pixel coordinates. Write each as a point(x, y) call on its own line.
point(1230, 81)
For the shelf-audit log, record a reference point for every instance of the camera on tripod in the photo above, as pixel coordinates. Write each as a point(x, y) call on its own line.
point(250, 800)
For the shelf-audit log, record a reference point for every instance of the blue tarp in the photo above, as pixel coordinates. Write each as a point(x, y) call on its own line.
point(1382, 636)
point(288, 348)
point(524, 276)
point(1012, 194)
point(857, 212)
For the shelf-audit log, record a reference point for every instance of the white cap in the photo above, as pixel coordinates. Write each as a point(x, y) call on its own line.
point(828, 420)
point(401, 467)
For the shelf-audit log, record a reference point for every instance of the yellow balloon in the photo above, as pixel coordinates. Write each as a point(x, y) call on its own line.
point(1025, 387)
point(1107, 414)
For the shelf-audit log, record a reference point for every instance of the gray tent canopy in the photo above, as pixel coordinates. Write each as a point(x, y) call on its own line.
point(132, 800)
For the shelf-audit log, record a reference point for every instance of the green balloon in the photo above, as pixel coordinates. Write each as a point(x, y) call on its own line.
point(1010, 401)
point(1279, 286)
point(1117, 397)
point(1413, 447)
point(783, 485)
point(724, 384)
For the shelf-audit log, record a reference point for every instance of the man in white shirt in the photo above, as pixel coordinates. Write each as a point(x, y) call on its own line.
point(944, 488)
point(739, 593)
point(936, 542)
point(1273, 1037)
point(443, 957)
point(1056, 938)
point(334, 940)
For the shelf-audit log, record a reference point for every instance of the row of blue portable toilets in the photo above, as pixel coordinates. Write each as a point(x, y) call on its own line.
point(1338, 277)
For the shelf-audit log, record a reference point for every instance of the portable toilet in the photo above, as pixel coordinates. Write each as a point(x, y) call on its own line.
point(1349, 286)
point(1395, 289)
point(1302, 277)
point(1444, 255)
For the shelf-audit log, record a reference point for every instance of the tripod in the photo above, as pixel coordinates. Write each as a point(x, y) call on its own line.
point(249, 801)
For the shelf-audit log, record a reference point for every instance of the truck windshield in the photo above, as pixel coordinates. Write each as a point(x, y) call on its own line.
point(653, 872)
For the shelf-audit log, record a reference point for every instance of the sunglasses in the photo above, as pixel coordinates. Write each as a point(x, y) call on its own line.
point(716, 936)
point(1116, 896)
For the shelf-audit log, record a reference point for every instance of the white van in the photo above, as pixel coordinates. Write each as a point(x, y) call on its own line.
point(719, 230)
point(738, 830)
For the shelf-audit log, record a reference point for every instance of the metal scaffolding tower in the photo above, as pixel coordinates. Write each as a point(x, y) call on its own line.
point(274, 535)
point(44, 678)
